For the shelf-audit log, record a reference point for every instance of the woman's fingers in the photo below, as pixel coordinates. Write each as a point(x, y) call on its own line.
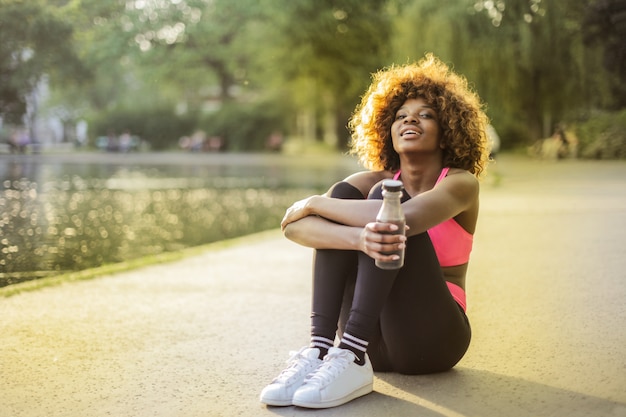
point(384, 233)
point(381, 227)
point(297, 211)
point(378, 239)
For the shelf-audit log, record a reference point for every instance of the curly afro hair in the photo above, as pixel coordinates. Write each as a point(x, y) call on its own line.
point(460, 113)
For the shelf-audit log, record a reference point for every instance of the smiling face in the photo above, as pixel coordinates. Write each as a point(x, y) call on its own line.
point(416, 128)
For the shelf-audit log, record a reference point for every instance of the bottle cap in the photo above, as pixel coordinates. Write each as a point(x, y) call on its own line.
point(393, 185)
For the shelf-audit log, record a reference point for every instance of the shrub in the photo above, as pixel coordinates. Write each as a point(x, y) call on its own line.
point(160, 127)
point(245, 126)
point(603, 136)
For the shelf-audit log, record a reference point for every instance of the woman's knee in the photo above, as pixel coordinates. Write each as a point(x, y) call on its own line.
point(346, 191)
point(430, 354)
point(414, 365)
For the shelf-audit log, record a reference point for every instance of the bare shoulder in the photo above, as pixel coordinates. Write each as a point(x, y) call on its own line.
point(464, 188)
point(462, 175)
point(365, 180)
point(461, 181)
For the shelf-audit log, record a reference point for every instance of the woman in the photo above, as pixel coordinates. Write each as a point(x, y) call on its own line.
point(419, 123)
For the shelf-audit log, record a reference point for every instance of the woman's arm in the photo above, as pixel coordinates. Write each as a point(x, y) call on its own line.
point(362, 181)
point(316, 232)
point(320, 233)
point(453, 195)
point(374, 239)
point(348, 212)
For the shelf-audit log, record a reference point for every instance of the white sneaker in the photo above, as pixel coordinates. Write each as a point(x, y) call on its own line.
point(301, 363)
point(336, 381)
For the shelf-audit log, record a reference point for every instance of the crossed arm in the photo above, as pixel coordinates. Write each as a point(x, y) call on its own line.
point(327, 223)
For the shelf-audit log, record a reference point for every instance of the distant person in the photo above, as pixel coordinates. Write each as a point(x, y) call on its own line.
point(215, 144)
point(125, 142)
point(421, 124)
point(185, 143)
point(562, 144)
point(112, 142)
point(198, 140)
point(274, 142)
point(19, 141)
point(567, 142)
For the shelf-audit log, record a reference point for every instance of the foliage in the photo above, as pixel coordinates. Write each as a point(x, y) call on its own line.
point(517, 54)
point(202, 43)
point(246, 126)
point(338, 43)
point(329, 54)
point(36, 41)
point(160, 127)
point(604, 26)
point(536, 63)
point(603, 136)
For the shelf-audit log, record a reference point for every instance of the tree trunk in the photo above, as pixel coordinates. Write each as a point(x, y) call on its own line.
point(330, 121)
point(306, 125)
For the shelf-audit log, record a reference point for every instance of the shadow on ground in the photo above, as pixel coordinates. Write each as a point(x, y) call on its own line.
point(467, 392)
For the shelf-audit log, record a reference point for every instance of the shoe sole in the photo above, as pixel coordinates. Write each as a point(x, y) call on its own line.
point(276, 403)
point(364, 390)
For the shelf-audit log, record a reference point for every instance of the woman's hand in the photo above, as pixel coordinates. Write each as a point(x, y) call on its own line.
point(377, 239)
point(297, 211)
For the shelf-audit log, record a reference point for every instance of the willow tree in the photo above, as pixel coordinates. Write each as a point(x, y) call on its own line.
point(524, 58)
point(604, 29)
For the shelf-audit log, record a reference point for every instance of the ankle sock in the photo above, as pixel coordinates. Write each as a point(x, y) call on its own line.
point(356, 345)
point(322, 343)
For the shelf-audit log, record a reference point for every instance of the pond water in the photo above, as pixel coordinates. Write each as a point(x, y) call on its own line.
point(62, 213)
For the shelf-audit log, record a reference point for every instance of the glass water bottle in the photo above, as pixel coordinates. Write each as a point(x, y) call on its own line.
point(391, 212)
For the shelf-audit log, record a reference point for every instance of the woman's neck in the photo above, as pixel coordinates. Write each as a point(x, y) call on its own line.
point(419, 176)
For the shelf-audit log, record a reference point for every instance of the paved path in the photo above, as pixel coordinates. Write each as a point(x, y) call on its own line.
point(202, 336)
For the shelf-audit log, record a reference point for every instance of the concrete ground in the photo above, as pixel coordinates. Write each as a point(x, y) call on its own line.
point(202, 336)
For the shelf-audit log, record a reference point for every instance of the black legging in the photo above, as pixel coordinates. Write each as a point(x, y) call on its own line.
point(411, 321)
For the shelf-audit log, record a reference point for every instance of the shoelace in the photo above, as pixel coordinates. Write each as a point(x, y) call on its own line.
point(297, 363)
point(334, 363)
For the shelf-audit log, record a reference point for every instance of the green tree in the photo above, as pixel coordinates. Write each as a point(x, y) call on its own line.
point(526, 59)
point(604, 27)
point(301, 65)
point(536, 74)
point(36, 41)
point(325, 51)
point(195, 44)
point(190, 55)
point(252, 51)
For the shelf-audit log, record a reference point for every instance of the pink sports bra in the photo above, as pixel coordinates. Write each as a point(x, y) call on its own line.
point(452, 243)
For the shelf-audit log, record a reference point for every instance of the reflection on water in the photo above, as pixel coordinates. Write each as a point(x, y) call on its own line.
point(61, 218)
